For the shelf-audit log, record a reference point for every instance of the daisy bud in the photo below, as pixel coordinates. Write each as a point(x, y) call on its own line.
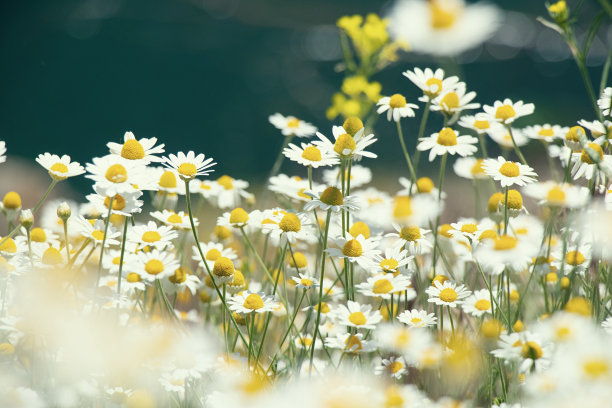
point(26, 219)
point(558, 11)
point(64, 211)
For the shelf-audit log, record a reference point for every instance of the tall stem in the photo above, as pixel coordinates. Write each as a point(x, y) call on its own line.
point(516, 148)
point(406, 155)
point(125, 228)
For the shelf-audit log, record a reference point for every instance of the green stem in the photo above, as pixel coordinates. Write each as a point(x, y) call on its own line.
point(400, 135)
point(125, 228)
point(516, 148)
point(506, 212)
point(106, 224)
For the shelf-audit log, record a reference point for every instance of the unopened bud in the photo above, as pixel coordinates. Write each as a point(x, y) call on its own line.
point(64, 211)
point(26, 219)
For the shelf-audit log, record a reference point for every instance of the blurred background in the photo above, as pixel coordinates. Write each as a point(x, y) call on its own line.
point(205, 75)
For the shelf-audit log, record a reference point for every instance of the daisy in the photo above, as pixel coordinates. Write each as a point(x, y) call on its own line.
point(604, 101)
point(304, 342)
point(430, 82)
point(414, 238)
point(166, 180)
point(94, 230)
point(534, 354)
point(212, 251)
point(310, 155)
point(478, 303)
point(178, 220)
point(447, 294)
point(396, 107)
point(443, 27)
point(577, 259)
point(395, 259)
point(249, 302)
point(590, 162)
point(383, 286)
point(479, 123)
point(454, 101)
point(231, 191)
point(545, 133)
point(447, 141)
point(350, 343)
point(50, 256)
point(306, 282)
point(237, 218)
point(574, 138)
point(180, 280)
point(558, 195)
point(507, 111)
point(356, 315)
point(153, 265)
point(41, 237)
point(290, 226)
point(359, 176)
point(117, 175)
point(597, 128)
point(223, 270)
point(292, 126)
point(359, 250)
point(293, 188)
point(424, 185)
point(330, 198)
point(509, 173)
point(152, 235)
point(189, 165)
point(133, 149)
point(501, 135)
point(59, 168)
point(413, 345)
point(125, 204)
point(470, 168)
point(393, 366)
point(496, 254)
point(347, 146)
point(417, 318)
point(2, 151)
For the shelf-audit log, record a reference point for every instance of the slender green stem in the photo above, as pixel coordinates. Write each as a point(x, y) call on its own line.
point(106, 224)
point(506, 212)
point(65, 223)
point(435, 232)
point(422, 127)
point(516, 148)
point(400, 135)
point(123, 241)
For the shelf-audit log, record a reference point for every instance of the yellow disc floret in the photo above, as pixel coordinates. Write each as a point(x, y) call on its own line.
point(448, 295)
point(253, 302)
point(505, 112)
point(345, 144)
point(425, 185)
point(116, 173)
point(504, 243)
point(290, 223)
point(38, 235)
point(382, 286)
point(312, 153)
point(167, 180)
point(410, 233)
point(447, 137)
point(510, 169)
point(223, 267)
point(352, 248)
point(154, 267)
point(352, 125)
point(187, 169)
point(357, 318)
point(132, 150)
point(238, 216)
point(11, 201)
point(360, 228)
point(397, 101)
point(332, 196)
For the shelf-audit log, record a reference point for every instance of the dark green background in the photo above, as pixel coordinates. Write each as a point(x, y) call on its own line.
point(205, 75)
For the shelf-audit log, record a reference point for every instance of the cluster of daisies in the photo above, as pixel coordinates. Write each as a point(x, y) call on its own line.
point(136, 297)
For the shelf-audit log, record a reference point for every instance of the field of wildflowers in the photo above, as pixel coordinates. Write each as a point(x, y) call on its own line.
point(167, 286)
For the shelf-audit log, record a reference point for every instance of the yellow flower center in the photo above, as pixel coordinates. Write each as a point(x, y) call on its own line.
point(494, 201)
point(441, 18)
point(353, 343)
point(510, 169)
point(586, 158)
point(402, 207)
point(425, 185)
point(11, 201)
point(447, 137)
point(531, 350)
point(389, 265)
point(52, 256)
point(448, 295)
point(237, 279)
point(482, 304)
point(596, 368)
point(293, 123)
point(238, 216)
point(515, 200)
point(311, 153)
point(116, 260)
point(505, 112)
point(187, 169)
point(435, 85)
point(578, 305)
point(482, 124)
point(151, 236)
point(573, 135)
point(298, 260)
point(38, 235)
point(132, 150)
point(504, 243)
point(226, 182)
point(175, 219)
point(345, 144)
point(477, 167)
point(332, 196)
point(551, 277)
point(213, 255)
point(290, 222)
point(555, 196)
point(395, 366)
point(352, 249)
point(167, 180)
point(116, 173)
point(444, 230)
point(469, 228)
point(357, 318)
point(487, 234)
point(491, 328)
point(574, 258)
point(546, 132)
point(253, 302)
point(179, 276)
point(118, 202)
point(222, 232)
point(397, 101)
point(410, 233)
point(223, 267)
point(352, 125)
point(154, 267)
point(450, 101)
point(59, 167)
point(558, 7)
point(382, 286)
point(98, 235)
point(416, 321)
point(306, 282)
point(360, 228)
point(324, 308)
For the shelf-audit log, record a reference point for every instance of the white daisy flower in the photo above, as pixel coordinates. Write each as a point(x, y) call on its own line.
point(230, 192)
point(292, 126)
point(290, 226)
point(507, 111)
point(597, 128)
point(424, 185)
point(153, 265)
point(350, 343)
point(447, 141)
point(479, 123)
point(574, 137)
point(293, 188)
point(359, 250)
point(416, 346)
point(558, 195)
point(310, 155)
point(577, 259)
point(59, 168)
point(496, 254)
point(237, 218)
point(454, 101)
point(414, 238)
point(604, 101)
point(470, 168)
point(249, 302)
point(304, 342)
point(49, 256)
point(178, 220)
point(356, 315)
point(2, 151)
point(430, 82)
point(417, 318)
point(41, 237)
point(118, 175)
point(166, 180)
point(395, 259)
point(347, 146)
point(212, 251)
point(502, 137)
point(509, 173)
point(546, 133)
point(447, 294)
point(396, 107)
point(591, 162)
point(189, 165)
point(207, 188)
point(180, 280)
point(306, 282)
point(94, 230)
point(133, 149)
point(126, 203)
point(393, 366)
point(330, 198)
point(385, 285)
point(478, 303)
point(152, 235)
point(443, 27)
point(359, 176)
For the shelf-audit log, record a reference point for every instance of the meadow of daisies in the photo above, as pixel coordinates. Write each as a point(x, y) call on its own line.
point(170, 285)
